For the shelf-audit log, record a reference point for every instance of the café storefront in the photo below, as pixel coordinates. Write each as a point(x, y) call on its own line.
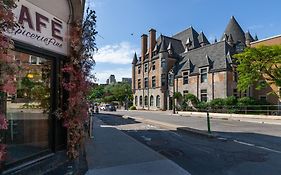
point(41, 46)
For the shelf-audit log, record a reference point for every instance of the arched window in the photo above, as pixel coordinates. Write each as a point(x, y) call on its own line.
point(158, 101)
point(151, 100)
point(146, 101)
point(136, 100)
point(140, 100)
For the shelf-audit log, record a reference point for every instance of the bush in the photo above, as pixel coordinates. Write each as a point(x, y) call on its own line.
point(246, 101)
point(217, 103)
point(230, 101)
point(177, 95)
point(202, 106)
point(191, 98)
point(132, 108)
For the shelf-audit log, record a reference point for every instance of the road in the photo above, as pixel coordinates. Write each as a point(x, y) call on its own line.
point(200, 154)
point(264, 136)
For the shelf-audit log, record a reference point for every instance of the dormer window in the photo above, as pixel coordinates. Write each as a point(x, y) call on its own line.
point(204, 75)
point(185, 77)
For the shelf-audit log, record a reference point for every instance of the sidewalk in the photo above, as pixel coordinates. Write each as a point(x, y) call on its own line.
point(112, 152)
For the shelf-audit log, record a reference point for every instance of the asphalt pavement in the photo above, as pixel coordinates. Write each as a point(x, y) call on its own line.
point(196, 153)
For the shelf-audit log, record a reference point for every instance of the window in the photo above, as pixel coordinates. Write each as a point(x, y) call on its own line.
point(235, 93)
point(33, 60)
point(146, 67)
point(185, 92)
point(153, 82)
point(136, 100)
point(28, 109)
point(171, 79)
point(139, 69)
point(146, 82)
point(235, 74)
point(146, 101)
point(140, 100)
point(185, 77)
point(139, 83)
point(163, 62)
point(263, 98)
point(151, 100)
point(204, 96)
point(163, 80)
point(204, 75)
point(158, 101)
point(153, 65)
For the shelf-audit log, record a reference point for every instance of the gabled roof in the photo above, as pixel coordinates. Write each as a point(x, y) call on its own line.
point(212, 55)
point(188, 33)
point(235, 30)
point(202, 38)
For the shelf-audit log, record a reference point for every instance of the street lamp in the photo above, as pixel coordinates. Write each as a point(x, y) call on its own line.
point(172, 72)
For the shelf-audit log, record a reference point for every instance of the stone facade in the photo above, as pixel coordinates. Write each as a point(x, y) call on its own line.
point(186, 62)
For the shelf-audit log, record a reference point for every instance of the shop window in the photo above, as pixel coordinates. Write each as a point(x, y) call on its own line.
point(158, 101)
point(185, 77)
point(153, 82)
point(204, 95)
point(204, 75)
point(151, 100)
point(27, 111)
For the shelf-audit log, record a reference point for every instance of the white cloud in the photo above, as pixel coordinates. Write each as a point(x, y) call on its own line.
point(121, 53)
point(118, 72)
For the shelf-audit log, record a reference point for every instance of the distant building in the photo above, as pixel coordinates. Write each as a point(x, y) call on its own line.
point(190, 63)
point(111, 80)
point(127, 80)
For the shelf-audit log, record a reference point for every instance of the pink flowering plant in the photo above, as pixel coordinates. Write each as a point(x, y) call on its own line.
point(76, 76)
point(7, 65)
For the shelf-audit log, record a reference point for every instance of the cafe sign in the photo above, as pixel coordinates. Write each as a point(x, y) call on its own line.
point(39, 28)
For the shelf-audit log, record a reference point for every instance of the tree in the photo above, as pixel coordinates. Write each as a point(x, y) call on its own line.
point(261, 63)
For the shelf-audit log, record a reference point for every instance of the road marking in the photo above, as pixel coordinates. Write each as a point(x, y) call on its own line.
point(256, 146)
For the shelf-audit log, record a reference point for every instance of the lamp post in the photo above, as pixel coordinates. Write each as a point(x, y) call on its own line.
point(173, 83)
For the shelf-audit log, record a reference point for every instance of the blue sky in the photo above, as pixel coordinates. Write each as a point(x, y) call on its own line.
point(117, 20)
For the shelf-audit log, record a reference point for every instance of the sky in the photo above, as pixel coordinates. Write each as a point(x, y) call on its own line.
point(121, 23)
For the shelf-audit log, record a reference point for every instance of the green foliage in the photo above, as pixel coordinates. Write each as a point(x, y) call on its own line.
point(217, 103)
point(202, 106)
point(177, 95)
point(132, 108)
point(230, 101)
point(246, 101)
point(97, 93)
point(261, 63)
point(191, 98)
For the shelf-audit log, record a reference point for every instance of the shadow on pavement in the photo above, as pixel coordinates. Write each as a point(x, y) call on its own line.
point(115, 120)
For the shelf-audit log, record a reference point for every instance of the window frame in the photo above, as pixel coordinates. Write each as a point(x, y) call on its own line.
point(204, 75)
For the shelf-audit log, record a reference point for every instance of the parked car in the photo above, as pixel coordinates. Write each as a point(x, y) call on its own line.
point(102, 107)
point(110, 108)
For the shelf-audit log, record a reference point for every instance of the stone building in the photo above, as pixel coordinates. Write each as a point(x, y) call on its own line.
point(265, 94)
point(187, 63)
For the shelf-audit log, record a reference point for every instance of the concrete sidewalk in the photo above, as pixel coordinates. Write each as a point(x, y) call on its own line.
point(112, 152)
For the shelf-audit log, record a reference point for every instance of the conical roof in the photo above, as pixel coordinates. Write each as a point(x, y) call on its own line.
point(249, 37)
point(163, 47)
point(235, 30)
point(135, 59)
point(202, 38)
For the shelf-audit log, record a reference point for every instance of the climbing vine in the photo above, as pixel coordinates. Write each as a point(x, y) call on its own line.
point(7, 66)
point(76, 80)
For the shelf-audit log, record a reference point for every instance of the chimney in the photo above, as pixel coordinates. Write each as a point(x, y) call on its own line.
point(143, 46)
point(152, 41)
